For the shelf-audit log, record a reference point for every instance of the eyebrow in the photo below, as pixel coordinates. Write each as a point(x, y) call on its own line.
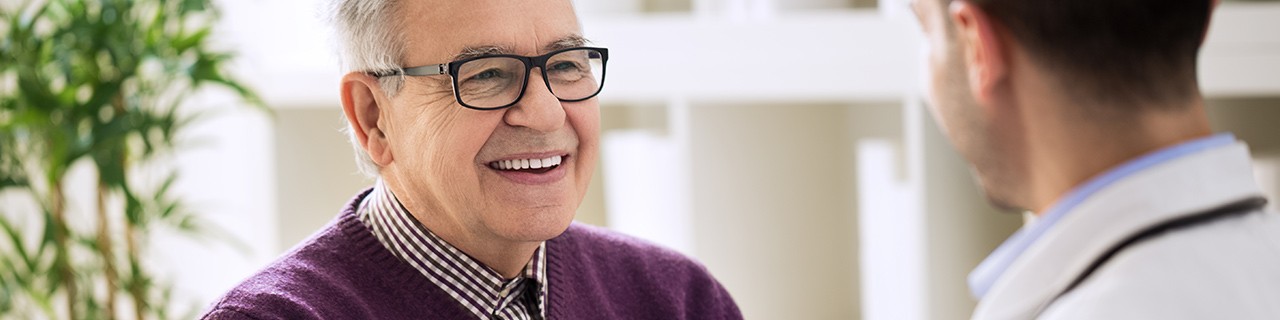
point(480, 51)
point(487, 50)
point(567, 42)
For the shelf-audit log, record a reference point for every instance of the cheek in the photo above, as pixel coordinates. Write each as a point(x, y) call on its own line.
point(934, 77)
point(469, 135)
point(585, 121)
point(936, 57)
point(946, 92)
point(932, 59)
point(451, 141)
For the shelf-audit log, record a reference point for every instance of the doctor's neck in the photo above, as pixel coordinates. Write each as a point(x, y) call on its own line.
point(1068, 146)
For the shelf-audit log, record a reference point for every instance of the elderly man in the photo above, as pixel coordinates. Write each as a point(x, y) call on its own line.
point(1088, 113)
point(480, 121)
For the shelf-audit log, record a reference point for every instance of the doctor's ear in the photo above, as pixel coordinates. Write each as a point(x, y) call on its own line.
point(984, 50)
point(362, 102)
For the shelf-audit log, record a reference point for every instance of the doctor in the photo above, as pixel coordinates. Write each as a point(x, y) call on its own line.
point(1088, 113)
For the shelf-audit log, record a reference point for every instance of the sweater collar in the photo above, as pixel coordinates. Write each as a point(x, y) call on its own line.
point(475, 286)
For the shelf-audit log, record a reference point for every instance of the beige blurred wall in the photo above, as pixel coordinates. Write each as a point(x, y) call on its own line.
point(315, 171)
point(774, 207)
point(1255, 120)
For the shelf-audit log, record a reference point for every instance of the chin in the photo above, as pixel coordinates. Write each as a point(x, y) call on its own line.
point(998, 194)
point(539, 224)
point(1003, 205)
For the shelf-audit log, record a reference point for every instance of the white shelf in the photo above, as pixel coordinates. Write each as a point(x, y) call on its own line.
point(782, 59)
point(844, 55)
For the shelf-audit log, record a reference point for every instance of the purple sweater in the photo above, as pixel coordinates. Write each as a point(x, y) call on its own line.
point(343, 272)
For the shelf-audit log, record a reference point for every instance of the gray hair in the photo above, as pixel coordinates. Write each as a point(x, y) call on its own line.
point(367, 39)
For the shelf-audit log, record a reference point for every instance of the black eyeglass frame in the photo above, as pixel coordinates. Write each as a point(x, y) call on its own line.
point(451, 69)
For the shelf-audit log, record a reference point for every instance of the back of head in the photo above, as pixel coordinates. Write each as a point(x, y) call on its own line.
point(1111, 52)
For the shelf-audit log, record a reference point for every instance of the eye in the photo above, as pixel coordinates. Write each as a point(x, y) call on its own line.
point(487, 74)
point(564, 66)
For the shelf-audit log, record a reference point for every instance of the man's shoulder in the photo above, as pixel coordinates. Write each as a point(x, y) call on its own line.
point(1184, 274)
point(320, 273)
point(265, 297)
point(1244, 245)
point(290, 288)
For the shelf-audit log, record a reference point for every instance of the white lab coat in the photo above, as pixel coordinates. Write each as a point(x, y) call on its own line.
point(1227, 268)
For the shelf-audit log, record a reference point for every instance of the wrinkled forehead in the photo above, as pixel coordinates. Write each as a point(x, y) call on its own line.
point(439, 31)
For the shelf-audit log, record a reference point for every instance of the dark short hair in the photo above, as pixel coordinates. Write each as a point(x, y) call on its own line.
point(1111, 51)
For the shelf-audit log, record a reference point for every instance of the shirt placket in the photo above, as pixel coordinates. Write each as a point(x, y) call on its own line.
point(508, 295)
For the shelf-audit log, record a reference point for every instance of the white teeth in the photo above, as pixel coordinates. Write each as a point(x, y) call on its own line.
point(521, 164)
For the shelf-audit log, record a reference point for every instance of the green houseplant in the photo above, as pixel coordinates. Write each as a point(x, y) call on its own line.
point(95, 84)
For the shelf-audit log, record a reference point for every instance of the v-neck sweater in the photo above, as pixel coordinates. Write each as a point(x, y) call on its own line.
point(344, 272)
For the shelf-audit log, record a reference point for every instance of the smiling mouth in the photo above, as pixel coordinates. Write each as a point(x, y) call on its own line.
point(542, 165)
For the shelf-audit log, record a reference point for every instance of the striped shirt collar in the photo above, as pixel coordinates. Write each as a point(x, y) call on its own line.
point(475, 286)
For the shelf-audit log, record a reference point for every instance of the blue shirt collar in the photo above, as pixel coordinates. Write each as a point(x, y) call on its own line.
point(990, 270)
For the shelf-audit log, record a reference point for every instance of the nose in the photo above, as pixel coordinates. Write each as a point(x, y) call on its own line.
point(539, 109)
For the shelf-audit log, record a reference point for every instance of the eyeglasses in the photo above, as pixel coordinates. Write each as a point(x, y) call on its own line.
point(498, 81)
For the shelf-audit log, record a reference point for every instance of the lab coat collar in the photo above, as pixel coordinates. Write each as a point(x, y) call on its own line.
point(1170, 190)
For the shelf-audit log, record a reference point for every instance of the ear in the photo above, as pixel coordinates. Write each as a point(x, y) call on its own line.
point(984, 50)
point(362, 102)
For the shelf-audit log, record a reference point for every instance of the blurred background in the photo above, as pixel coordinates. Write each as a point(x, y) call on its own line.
point(785, 144)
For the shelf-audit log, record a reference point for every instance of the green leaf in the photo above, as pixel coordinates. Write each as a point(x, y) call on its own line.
point(12, 234)
point(6, 298)
point(134, 210)
point(194, 6)
point(182, 44)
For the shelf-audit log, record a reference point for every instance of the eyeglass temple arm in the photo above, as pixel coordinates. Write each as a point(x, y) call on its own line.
point(428, 70)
